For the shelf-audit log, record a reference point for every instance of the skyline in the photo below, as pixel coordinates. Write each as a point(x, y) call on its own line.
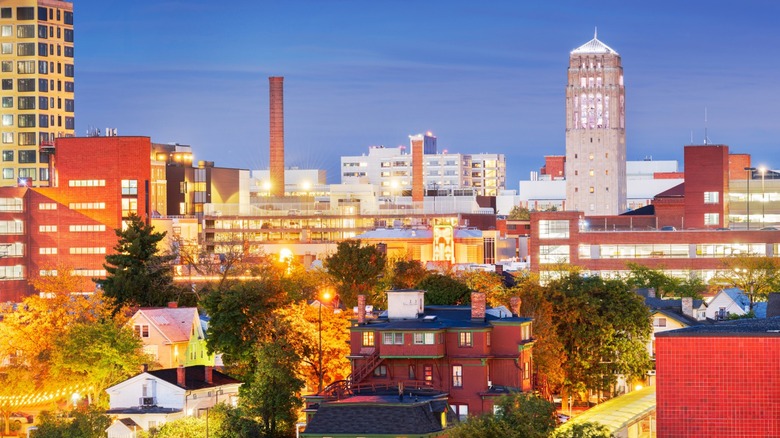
point(482, 79)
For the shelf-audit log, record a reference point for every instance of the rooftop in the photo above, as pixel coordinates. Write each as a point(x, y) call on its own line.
point(765, 327)
point(593, 46)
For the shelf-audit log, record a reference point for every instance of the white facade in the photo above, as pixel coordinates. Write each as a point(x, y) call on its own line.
point(390, 168)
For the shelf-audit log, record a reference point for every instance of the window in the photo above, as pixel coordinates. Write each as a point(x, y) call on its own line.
point(26, 13)
point(426, 338)
point(7, 49)
point(69, 105)
point(8, 102)
point(428, 373)
point(47, 251)
point(141, 330)
point(88, 250)
point(86, 228)
point(462, 411)
point(26, 102)
point(380, 371)
point(659, 322)
point(10, 204)
point(368, 339)
point(25, 67)
point(68, 51)
point(11, 227)
point(129, 187)
point(412, 373)
point(25, 31)
point(711, 219)
point(711, 197)
point(8, 155)
point(8, 173)
point(48, 272)
point(87, 205)
point(26, 138)
point(457, 376)
point(88, 272)
point(6, 30)
point(6, 12)
point(393, 338)
point(488, 338)
point(47, 228)
point(87, 183)
point(465, 339)
point(553, 229)
point(26, 120)
point(129, 206)
point(27, 156)
point(8, 120)
point(551, 254)
point(68, 35)
point(69, 70)
point(26, 85)
point(25, 49)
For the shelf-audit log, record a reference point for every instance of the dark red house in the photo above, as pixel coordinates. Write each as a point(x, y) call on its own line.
point(474, 354)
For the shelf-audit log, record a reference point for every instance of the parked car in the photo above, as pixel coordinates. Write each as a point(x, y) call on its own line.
point(770, 229)
point(668, 228)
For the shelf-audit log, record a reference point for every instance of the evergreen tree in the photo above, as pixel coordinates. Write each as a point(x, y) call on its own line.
point(137, 274)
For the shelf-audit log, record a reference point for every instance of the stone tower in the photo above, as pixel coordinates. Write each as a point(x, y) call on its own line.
point(595, 131)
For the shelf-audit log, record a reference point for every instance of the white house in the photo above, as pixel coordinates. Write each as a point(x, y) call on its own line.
point(153, 398)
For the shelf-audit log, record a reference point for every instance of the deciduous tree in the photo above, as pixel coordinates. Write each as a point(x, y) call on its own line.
point(756, 276)
point(406, 274)
point(518, 415)
point(444, 290)
point(356, 268)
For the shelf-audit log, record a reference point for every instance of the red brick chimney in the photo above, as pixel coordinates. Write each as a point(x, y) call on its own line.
point(209, 374)
point(418, 187)
point(180, 376)
point(478, 306)
point(172, 304)
point(277, 135)
point(361, 305)
point(514, 305)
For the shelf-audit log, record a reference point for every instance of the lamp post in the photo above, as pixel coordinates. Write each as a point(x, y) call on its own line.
point(762, 171)
point(749, 171)
point(325, 297)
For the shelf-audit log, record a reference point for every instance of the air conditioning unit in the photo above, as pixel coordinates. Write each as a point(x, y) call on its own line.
point(147, 401)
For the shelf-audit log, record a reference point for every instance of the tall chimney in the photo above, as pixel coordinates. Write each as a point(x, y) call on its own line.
point(773, 305)
point(687, 306)
point(276, 84)
point(418, 188)
point(478, 306)
point(180, 376)
point(209, 377)
point(361, 309)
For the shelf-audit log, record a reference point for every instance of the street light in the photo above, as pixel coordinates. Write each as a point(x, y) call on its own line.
point(325, 297)
point(762, 170)
point(749, 170)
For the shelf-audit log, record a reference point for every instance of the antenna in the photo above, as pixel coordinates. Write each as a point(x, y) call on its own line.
point(595, 32)
point(691, 136)
point(706, 140)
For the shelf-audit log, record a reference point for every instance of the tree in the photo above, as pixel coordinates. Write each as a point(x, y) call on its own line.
point(355, 268)
point(519, 213)
point(444, 290)
point(519, 415)
point(60, 283)
point(582, 430)
point(184, 427)
point(756, 276)
point(489, 283)
point(98, 354)
point(90, 422)
point(406, 274)
point(137, 274)
point(603, 327)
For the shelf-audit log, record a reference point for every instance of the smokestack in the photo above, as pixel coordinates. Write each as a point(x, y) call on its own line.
point(478, 306)
point(687, 306)
point(361, 309)
point(209, 377)
point(276, 85)
point(418, 189)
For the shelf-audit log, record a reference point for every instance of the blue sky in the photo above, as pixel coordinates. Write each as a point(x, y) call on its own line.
point(484, 76)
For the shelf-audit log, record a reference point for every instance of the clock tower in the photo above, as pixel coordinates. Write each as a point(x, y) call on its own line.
point(595, 131)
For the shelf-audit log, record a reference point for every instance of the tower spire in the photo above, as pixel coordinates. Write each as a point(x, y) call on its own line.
point(596, 33)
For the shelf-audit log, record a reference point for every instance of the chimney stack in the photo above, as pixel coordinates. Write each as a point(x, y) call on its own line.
point(180, 376)
point(277, 135)
point(173, 304)
point(361, 309)
point(478, 306)
point(651, 292)
point(773, 305)
point(499, 269)
point(687, 306)
point(209, 377)
point(418, 188)
point(514, 305)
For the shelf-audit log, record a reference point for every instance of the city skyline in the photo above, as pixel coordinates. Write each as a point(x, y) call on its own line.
point(483, 79)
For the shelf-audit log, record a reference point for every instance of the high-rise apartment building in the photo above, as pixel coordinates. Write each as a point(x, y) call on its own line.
point(595, 131)
point(36, 86)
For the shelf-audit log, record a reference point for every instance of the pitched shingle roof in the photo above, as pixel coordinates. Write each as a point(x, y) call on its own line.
point(174, 323)
point(194, 377)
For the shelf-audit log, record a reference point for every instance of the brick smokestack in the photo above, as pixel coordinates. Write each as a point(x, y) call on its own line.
point(514, 305)
point(478, 306)
point(180, 376)
point(209, 377)
point(418, 186)
point(276, 85)
point(687, 306)
point(361, 309)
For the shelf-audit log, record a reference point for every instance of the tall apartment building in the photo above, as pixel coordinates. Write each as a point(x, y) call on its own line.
point(37, 86)
point(595, 131)
point(391, 169)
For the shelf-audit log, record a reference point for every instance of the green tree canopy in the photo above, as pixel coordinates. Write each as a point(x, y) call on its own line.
point(519, 415)
point(582, 430)
point(756, 276)
point(444, 290)
point(136, 274)
point(355, 268)
point(406, 274)
point(518, 213)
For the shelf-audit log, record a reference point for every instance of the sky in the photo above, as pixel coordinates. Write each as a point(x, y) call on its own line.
point(483, 76)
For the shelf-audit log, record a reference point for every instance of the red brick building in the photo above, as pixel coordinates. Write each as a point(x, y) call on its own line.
point(472, 353)
point(96, 183)
point(719, 380)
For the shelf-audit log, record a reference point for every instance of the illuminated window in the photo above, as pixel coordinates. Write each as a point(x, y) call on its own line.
point(368, 339)
point(428, 373)
point(129, 187)
point(465, 339)
point(711, 197)
point(591, 190)
point(457, 376)
point(711, 219)
point(141, 330)
point(47, 228)
point(553, 229)
point(426, 338)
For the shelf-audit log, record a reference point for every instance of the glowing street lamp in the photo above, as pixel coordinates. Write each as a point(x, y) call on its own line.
point(325, 297)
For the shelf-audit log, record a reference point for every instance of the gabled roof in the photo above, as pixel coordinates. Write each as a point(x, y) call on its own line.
point(194, 377)
point(677, 191)
point(175, 323)
point(378, 416)
point(593, 46)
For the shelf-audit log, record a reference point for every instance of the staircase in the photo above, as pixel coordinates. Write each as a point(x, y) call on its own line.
point(360, 373)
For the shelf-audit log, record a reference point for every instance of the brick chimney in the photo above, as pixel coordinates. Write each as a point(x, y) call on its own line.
point(276, 85)
point(651, 292)
point(361, 305)
point(418, 188)
point(499, 269)
point(773, 305)
point(514, 305)
point(180, 376)
point(172, 304)
point(478, 306)
point(209, 377)
point(687, 306)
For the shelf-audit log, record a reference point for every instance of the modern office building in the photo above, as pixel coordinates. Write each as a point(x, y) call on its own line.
point(595, 131)
point(37, 86)
point(391, 169)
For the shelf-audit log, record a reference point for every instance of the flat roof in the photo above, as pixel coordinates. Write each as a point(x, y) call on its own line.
point(764, 327)
point(619, 412)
